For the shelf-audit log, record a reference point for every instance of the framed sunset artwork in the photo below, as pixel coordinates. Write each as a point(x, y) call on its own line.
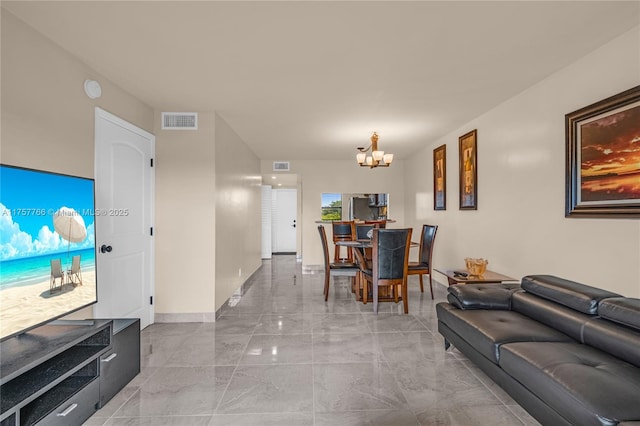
point(603, 158)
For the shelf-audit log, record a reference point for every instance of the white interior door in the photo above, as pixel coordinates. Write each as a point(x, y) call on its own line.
point(124, 218)
point(285, 227)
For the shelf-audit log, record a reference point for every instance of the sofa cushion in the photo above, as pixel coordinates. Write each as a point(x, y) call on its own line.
point(577, 296)
point(486, 330)
point(623, 310)
point(620, 341)
point(583, 384)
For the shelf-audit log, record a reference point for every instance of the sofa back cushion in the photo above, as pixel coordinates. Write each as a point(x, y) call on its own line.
point(618, 340)
point(563, 319)
point(623, 310)
point(582, 298)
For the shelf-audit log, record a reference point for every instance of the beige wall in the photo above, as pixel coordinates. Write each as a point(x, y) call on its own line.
point(185, 219)
point(207, 218)
point(48, 123)
point(317, 177)
point(237, 212)
point(47, 120)
point(520, 225)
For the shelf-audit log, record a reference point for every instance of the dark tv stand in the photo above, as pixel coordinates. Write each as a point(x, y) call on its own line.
point(52, 375)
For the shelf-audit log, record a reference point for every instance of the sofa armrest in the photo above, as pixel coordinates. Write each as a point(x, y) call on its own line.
point(482, 296)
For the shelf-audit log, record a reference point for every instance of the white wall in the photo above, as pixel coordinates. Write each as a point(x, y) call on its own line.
point(520, 225)
point(317, 177)
point(238, 228)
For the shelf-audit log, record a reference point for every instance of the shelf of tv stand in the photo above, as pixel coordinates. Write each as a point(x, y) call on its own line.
point(44, 367)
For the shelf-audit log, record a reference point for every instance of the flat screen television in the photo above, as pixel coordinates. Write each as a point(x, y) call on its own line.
point(47, 247)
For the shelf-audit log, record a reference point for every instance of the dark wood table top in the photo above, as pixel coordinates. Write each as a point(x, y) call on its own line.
point(355, 243)
point(363, 244)
point(487, 277)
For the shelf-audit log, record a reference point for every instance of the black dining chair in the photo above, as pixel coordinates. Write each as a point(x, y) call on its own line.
point(335, 268)
point(343, 231)
point(364, 232)
point(389, 266)
point(423, 265)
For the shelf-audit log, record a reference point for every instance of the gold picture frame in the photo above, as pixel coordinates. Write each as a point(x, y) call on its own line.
point(468, 170)
point(440, 178)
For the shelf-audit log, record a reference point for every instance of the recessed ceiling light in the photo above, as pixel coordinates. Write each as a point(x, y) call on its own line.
point(273, 177)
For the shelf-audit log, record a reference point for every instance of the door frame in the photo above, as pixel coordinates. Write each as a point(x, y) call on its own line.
point(101, 114)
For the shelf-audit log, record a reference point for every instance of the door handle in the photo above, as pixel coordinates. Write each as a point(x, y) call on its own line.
point(69, 409)
point(105, 249)
point(110, 357)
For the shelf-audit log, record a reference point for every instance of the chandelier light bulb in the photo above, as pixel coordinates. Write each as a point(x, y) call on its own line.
point(378, 158)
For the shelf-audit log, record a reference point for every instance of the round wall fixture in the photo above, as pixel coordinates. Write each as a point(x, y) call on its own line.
point(92, 89)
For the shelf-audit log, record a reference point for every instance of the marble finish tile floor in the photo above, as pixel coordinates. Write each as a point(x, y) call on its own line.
point(283, 356)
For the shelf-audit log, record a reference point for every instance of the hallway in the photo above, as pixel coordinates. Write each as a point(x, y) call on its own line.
point(281, 355)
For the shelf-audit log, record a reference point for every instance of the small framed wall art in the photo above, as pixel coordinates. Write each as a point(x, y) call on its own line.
point(603, 158)
point(440, 178)
point(468, 176)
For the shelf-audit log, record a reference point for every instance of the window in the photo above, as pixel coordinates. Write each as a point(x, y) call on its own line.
point(331, 206)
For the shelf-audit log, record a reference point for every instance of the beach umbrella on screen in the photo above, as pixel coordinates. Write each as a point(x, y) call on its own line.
point(70, 226)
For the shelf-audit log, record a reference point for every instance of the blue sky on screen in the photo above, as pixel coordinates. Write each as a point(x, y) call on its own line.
point(28, 199)
point(327, 199)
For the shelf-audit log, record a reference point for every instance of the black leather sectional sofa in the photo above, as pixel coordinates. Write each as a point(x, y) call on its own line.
point(566, 352)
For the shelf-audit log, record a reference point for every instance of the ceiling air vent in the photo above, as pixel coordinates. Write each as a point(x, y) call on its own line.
point(281, 166)
point(180, 120)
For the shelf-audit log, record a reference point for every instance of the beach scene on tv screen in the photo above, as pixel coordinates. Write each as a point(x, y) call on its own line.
point(47, 247)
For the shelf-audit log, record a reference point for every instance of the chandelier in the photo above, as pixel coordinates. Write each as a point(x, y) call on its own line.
point(377, 158)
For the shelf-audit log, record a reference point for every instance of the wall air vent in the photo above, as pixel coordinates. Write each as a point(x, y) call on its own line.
point(180, 121)
point(281, 166)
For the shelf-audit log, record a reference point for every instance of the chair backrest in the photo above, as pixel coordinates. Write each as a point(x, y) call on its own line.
point(362, 230)
point(325, 247)
point(56, 268)
point(75, 264)
point(382, 223)
point(344, 230)
point(390, 253)
point(426, 243)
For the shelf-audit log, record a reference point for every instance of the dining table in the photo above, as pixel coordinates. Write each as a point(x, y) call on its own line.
point(363, 262)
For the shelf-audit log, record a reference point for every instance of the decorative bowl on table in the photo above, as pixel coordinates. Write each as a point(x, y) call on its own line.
point(476, 267)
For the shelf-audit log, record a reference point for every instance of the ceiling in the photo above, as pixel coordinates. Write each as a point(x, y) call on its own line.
point(312, 80)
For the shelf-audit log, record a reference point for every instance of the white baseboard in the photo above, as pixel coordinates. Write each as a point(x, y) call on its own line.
point(186, 317)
